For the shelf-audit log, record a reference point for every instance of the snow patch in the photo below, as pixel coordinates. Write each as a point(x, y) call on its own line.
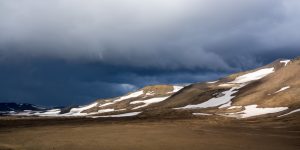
point(282, 89)
point(226, 84)
point(148, 101)
point(202, 114)
point(105, 110)
point(132, 95)
point(216, 101)
point(149, 93)
point(234, 107)
point(212, 82)
point(106, 104)
point(24, 113)
point(253, 75)
point(285, 62)
point(119, 115)
point(52, 112)
point(228, 104)
point(252, 110)
point(77, 111)
point(176, 89)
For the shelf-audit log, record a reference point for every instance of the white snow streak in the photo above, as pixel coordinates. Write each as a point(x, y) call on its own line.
point(77, 111)
point(296, 110)
point(106, 104)
point(211, 82)
point(228, 104)
point(234, 107)
point(216, 101)
point(120, 115)
point(282, 89)
point(226, 84)
point(52, 112)
point(132, 95)
point(176, 89)
point(202, 114)
point(105, 110)
point(285, 62)
point(252, 110)
point(149, 93)
point(24, 113)
point(148, 101)
point(253, 75)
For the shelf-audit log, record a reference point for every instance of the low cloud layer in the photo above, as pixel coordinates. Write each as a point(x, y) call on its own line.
point(136, 43)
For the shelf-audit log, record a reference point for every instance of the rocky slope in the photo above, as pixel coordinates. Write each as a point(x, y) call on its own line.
point(269, 91)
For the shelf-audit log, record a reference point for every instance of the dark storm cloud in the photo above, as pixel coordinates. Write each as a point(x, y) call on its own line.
point(57, 82)
point(167, 34)
point(82, 47)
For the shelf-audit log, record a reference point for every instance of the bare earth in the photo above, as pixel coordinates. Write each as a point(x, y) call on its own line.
point(136, 134)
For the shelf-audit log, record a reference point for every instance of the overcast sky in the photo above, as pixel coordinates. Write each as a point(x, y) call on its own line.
point(63, 52)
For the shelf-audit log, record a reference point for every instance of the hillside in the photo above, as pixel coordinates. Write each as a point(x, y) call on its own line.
point(271, 90)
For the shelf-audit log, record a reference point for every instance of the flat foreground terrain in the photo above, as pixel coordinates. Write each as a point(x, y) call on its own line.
point(192, 134)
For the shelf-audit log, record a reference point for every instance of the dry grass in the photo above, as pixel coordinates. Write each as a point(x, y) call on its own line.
point(192, 134)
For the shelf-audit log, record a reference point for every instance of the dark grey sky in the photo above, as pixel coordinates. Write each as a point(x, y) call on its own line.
point(60, 52)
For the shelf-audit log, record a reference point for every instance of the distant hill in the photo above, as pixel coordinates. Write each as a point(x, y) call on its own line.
point(14, 108)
